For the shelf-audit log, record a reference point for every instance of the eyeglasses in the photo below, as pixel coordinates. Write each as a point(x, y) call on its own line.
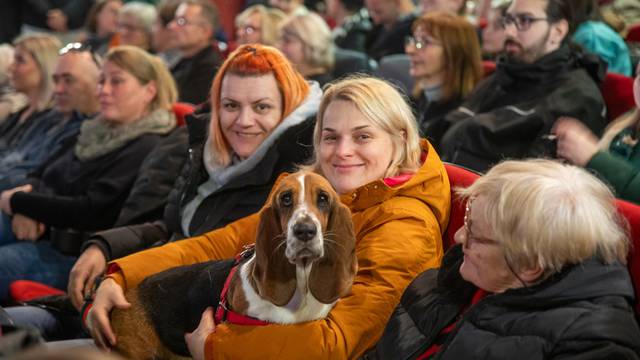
point(419, 43)
point(249, 29)
point(77, 47)
point(470, 240)
point(181, 22)
point(521, 21)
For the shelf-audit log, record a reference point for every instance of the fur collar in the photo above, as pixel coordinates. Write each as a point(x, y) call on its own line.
point(97, 137)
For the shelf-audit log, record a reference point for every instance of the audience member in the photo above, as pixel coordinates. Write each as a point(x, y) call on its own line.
point(194, 26)
point(616, 157)
point(306, 41)
point(539, 273)
point(541, 78)
point(84, 186)
point(451, 6)
point(392, 21)
point(163, 40)
point(352, 23)
point(229, 175)
point(135, 24)
point(34, 60)
point(597, 37)
point(10, 100)
point(446, 65)
point(290, 7)
point(101, 25)
point(493, 35)
point(74, 96)
point(399, 187)
point(64, 18)
point(258, 24)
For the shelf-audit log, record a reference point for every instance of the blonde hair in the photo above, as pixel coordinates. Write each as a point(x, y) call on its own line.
point(44, 50)
point(146, 68)
point(386, 108)
point(271, 19)
point(6, 59)
point(254, 60)
point(315, 35)
point(550, 214)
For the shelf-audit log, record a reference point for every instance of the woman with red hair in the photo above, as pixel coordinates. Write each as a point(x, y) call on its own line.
point(261, 125)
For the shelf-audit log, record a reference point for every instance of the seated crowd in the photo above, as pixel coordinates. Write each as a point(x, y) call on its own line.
point(137, 137)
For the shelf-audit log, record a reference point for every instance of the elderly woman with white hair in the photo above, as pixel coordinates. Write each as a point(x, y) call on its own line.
point(135, 24)
point(306, 41)
point(539, 273)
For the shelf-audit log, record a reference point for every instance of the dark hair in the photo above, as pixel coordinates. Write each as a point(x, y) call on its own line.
point(352, 5)
point(208, 11)
point(167, 10)
point(585, 10)
point(91, 22)
point(558, 10)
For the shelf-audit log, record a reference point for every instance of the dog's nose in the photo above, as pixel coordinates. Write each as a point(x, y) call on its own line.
point(304, 231)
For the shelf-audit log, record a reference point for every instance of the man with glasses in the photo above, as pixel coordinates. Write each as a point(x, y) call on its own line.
point(75, 97)
point(194, 26)
point(539, 78)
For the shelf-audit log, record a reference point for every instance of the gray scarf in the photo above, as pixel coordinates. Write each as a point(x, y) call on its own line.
point(98, 137)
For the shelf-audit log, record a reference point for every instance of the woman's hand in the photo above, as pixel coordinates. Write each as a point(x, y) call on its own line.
point(108, 296)
point(5, 197)
point(25, 228)
point(195, 340)
point(89, 266)
point(576, 143)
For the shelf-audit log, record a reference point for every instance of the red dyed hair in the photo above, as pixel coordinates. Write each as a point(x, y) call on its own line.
point(254, 60)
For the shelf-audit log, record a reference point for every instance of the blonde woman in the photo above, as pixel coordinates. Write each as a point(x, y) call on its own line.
point(366, 144)
point(30, 73)
point(615, 157)
point(258, 24)
point(306, 41)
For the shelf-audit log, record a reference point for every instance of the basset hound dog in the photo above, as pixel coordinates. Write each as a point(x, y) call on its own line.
point(303, 261)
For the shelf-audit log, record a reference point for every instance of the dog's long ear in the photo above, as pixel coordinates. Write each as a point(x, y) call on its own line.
point(273, 275)
point(332, 276)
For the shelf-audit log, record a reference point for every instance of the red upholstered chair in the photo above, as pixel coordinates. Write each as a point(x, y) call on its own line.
point(633, 35)
point(181, 110)
point(458, 177)
point(488, 67)
point(632, 213)
point(617, 91)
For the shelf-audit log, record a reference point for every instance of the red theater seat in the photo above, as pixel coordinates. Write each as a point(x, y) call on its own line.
point(617, 91)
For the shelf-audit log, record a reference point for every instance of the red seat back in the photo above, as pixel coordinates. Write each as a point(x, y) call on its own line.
point(633, 35)
point(617, 91)
point(181, 110)
point(458, 177)
point(632, 213)
point(488, 67)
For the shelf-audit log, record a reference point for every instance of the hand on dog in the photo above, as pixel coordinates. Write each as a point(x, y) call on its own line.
point(108, 296)
point(89, 266)
point(195, 340)
point(5, 197)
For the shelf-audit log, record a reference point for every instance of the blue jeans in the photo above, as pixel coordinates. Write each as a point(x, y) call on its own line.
point(37, 261)
point(53, 326)
point(6, 233)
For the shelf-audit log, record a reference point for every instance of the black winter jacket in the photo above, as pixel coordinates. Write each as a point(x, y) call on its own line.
point(509, 113)
point(240, 197)
point(583, 312)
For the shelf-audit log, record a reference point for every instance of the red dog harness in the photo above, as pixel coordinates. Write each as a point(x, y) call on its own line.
point(223, 313)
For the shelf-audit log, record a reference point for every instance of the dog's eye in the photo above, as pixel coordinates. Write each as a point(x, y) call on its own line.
point(286, 199)
point(323, 199)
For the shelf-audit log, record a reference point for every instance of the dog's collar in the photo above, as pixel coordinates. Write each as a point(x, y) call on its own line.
point(223, 313)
